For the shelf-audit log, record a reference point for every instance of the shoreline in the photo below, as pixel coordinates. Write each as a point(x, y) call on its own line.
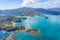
point(31, 31)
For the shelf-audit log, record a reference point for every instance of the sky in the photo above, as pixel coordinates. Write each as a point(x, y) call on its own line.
point(13, 4)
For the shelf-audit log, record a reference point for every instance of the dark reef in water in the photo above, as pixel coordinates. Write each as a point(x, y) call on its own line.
point(46, 17)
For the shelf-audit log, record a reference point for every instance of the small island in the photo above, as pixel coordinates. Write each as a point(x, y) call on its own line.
point(33, 32)
point(8, 25)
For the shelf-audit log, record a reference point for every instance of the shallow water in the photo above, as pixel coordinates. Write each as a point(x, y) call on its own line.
point(50, 28)
point(25, 36)
point(3, 35)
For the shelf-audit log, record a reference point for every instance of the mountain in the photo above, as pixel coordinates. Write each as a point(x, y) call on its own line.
point(29, 11)
point(55, 9)
point(47, 11)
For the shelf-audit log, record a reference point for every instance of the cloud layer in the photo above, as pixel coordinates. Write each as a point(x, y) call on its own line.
point(28, 2)
point(38, 4)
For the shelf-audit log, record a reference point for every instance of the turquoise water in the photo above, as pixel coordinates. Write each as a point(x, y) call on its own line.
point(3, 35)
point(50, 28)
point(25, 36)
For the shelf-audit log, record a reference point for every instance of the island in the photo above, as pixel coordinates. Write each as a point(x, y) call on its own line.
point(7, 24)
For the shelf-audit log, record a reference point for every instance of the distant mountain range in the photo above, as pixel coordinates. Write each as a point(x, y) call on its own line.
point(55, 9)
point(27, 11)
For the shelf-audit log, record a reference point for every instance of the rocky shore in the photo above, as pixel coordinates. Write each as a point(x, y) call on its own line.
point(34, 32)
point(7, 25)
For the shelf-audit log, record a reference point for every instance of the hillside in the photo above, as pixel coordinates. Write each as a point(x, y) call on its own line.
point(31, 11)
point(55, 9)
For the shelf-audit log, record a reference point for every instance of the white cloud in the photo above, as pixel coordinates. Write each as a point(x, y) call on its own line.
point(38, 4)
point(28, 2)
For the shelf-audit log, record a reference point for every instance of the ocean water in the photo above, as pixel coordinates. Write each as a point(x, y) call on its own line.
point(25, 36)
point(49, 27)
point(3, 35)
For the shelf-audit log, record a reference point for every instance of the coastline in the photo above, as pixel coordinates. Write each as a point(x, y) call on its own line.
point(32, 32)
